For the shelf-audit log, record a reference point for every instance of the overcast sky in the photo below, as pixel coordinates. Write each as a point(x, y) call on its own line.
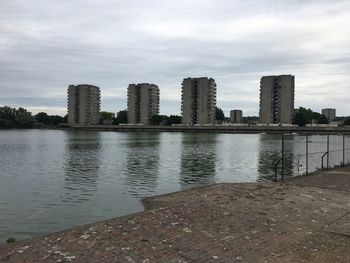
point(47, 45)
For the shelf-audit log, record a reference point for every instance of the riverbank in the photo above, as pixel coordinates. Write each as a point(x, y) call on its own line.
point(303, 220)
point(218, 129)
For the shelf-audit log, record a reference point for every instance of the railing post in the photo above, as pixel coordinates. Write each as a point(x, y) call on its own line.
point(282, 157)
point(343, 150)
point(327, 152)
point(276, 165)
point(307, 155)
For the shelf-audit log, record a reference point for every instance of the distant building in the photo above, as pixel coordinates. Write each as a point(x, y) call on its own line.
point(236, 116)
point(83, 105)
point(276, 99)
point(329, 113)
point(143, 103)
point(198, 101)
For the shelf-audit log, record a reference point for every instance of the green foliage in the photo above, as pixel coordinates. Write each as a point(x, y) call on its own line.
point(106, 115)
point(316, 115)
point(165, 120)
point(15, 118)
point(305, 116)
point(173, 119)
point(347, 121)
point(122, 117)
point(49, 120)
point(322, 119)
point(250, 119)
point(219, 114)
point(159, 120)
point(11, 240)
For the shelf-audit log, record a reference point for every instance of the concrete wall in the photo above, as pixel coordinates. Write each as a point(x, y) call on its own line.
point(187, 101)
point(287, 99)
point(83, 105)
point(133, 104)
point(265, 112)
point(143, 103)
point(236, 116)
point(329, 113)
point(198, 101)
point(277, 99)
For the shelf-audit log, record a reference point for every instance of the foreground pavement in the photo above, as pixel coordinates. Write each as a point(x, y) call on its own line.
point(306, 219)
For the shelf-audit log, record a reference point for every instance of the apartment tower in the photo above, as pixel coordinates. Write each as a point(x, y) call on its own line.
point(143, 103)
point(276, 99)
point(83, 105)
point(329, 113)
point(198, 101)
point(236, 116)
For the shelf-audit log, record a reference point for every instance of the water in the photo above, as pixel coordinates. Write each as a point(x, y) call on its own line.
point(52, 180)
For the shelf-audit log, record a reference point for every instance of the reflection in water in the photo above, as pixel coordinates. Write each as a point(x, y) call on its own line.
point(270, 151)
point(104, 174)
point(198, 159)
point(82, 162)
point(142, 163)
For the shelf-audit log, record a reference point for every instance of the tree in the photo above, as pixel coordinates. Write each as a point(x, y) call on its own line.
point(250, 119)
point(42, 117)
point(106, 115)
point(50, 120)
point(56, 119)
point(219, 114)
point(15, 118)
point(347, 121)
point(303, 116)
point(316, 115)
point(322, 120)
point(173, 119)
point(7, 117)
point(159, 119)
point(122, 117)
point(24, 119)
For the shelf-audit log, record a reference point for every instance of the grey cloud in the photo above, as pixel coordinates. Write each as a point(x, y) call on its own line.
point(47, 45)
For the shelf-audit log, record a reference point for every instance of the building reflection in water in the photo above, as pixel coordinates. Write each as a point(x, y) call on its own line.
point(142, 163)
point(82, 162)
point(270, 146)
point(198, 159)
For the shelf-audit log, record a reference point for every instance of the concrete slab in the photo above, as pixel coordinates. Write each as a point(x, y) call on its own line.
point(253, 222)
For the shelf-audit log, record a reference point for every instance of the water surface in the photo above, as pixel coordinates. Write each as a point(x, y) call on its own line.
point(52, 180)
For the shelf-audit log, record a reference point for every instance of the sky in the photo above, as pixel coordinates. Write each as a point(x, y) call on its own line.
point(47, 45)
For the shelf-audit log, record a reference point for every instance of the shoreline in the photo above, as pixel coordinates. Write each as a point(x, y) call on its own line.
point(217, 129)
point(304, 219)
point(206, 129)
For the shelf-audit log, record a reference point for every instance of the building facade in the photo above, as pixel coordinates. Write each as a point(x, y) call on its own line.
point(277, 99)
point(143, 103)
point(198, 101)
point(84, 102)
point(329, 113)
point(236, 116)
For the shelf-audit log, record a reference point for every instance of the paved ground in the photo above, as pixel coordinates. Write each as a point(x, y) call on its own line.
point(304, 220)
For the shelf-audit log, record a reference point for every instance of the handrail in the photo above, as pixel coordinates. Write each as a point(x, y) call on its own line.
point(276, 166)
point(326, 153)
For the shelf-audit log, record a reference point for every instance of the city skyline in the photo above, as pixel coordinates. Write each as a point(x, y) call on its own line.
point(46, 46)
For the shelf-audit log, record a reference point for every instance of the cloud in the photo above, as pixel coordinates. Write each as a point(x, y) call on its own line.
point(47, 45)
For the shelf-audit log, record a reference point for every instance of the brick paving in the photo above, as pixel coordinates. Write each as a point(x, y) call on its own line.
point(252, 222)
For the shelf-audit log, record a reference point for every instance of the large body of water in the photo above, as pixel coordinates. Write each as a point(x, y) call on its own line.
point(52, 180)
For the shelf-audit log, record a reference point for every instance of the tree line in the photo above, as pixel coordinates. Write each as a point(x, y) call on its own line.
point(11, 118)
point(305, 116)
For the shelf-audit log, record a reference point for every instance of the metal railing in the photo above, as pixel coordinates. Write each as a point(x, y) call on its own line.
point(319, 152)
